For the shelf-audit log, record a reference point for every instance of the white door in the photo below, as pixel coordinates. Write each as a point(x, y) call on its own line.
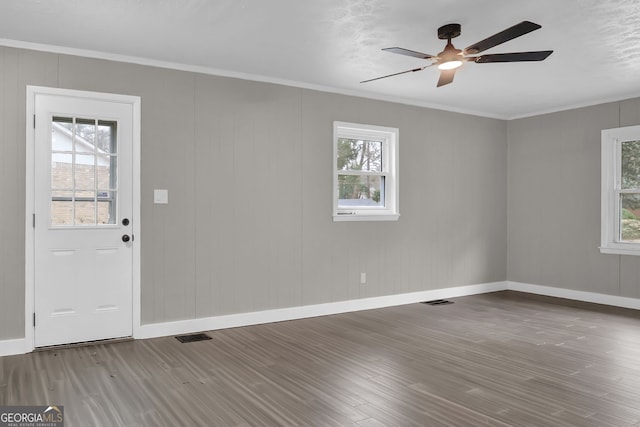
point(83, 199)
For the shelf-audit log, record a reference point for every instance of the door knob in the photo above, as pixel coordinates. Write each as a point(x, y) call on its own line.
point(126, 238)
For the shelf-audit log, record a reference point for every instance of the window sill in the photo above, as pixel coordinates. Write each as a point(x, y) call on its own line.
point(365, 217)
point(620, 251)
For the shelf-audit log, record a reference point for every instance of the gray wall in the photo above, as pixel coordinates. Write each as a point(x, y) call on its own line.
point(248, 169)
point(554, 201)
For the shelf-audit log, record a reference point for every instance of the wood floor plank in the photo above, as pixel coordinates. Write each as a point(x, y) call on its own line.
point(500, 359)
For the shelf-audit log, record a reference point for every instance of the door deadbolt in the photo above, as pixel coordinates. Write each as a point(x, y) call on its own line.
point(125, 221)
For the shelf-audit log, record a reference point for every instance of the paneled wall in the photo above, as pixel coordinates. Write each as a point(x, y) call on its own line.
point(554, 201)
point(452, 226)
point(248, 167)
point(17, 69)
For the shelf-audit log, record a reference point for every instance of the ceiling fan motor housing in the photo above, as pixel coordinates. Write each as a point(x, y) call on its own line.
point(449, 31)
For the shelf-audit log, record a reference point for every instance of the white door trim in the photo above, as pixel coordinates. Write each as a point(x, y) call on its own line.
point(135, 102)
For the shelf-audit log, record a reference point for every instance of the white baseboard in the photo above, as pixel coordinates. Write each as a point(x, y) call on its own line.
point(292, 313)
point(11, 347)
point(18, 346)
point(613, 300)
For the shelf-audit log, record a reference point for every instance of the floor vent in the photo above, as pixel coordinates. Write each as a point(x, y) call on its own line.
point(438, 302)
point(193, 338)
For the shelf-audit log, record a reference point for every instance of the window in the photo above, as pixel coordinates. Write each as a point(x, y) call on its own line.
point(621, 191)
point(365, 178)
point(83, 172)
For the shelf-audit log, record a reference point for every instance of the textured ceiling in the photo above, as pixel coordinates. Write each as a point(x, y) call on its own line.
point(334, 44)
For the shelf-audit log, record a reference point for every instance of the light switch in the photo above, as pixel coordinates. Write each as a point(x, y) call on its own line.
point(160, 197)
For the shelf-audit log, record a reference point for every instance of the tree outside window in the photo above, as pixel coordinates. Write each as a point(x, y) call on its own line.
point(359, 155)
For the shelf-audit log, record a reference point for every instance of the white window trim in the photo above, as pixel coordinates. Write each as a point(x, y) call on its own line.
point(610, 191)
point(389, 137)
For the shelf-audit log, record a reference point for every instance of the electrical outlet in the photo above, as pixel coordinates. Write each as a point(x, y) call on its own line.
point(363, 278)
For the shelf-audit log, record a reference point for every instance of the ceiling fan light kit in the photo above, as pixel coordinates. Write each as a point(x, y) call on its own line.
point(450, 59)
point(450, 65)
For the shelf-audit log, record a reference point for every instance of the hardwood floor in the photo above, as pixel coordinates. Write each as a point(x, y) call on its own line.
point(501, 359)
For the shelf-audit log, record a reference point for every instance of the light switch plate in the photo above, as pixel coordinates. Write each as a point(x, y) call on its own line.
point(160, 197)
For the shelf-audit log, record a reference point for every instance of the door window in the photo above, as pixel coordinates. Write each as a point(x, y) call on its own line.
point(84, 160)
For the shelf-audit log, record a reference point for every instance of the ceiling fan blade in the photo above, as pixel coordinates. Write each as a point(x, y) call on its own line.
point(503, 36)
point(396, 74)
point(446, 77)
point(540, 55)
point(408, 52)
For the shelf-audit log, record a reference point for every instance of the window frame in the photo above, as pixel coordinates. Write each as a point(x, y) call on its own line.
point(389, 188)
point(611, 190)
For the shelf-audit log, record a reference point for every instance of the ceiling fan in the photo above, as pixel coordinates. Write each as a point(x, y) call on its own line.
point(450, 59)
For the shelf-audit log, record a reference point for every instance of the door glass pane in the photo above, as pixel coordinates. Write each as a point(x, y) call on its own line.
point(360, 191)
point(359, 155)
point(61, 170)
point(105, 165)
point(85, 136)
point(62, 134)
point(83, 171)
point(630, 165)
point(106, 205)
point(630, 217)
point(85, 174)
point(62, 208)
point(106, 137)
point(85, 210)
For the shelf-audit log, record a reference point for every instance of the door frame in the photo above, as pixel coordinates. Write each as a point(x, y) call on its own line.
point(134, 101)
